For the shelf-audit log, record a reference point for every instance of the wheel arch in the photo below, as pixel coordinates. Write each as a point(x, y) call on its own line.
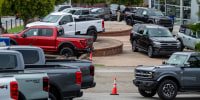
point(66, 44)
point(58, 90)
point(92, 28)
point(174, 79)
point(14, 41)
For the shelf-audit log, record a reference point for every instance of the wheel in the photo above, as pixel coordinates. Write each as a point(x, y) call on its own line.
point(129, 22)
point(150, 22)
point(150, 51)
point(12, 43)
point(181, 45)
point(167, 90)
point(134, 49)
point(52, 96)
point(146, 93)
point(93, 33)
point(68, 52)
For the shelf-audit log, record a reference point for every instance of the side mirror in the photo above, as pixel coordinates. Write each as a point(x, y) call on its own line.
point(186, 65)
point(24, 35)
point(163, 62)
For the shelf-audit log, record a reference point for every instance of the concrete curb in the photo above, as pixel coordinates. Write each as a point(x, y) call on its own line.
point(116, 33)
point(109, 51)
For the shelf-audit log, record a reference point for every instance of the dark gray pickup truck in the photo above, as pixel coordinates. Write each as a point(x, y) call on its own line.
point(35, 56)
point(179, 74)
point(65, 81)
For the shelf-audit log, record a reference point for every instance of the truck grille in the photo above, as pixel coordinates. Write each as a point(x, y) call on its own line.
point(143, 74)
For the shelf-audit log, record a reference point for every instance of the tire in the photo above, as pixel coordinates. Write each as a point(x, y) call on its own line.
point(150, 22)
point(167, 90)
point(68, 52)
point(129, 22)
point(150, 52)
point(93, 33)
point(52, 96)
point(134, 48)
point(146, 93)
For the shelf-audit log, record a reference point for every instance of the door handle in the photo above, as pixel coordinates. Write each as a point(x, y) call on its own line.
point(69, 25)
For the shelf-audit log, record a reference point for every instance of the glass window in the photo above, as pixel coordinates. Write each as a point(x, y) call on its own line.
point(186, 2)
point(66, 19)
point(69, 11)
point(187, 31)
point(46, 32)
point(194, 62)
point(31, 32)
point(144, 12)
point(85, 12)
point(30, 56)
point(8, 61)
point(177, 59)
point(186, 12)
point(159, 32)
point(51, 18)
point(173, 2)
point(78, 12)
point(155, 13)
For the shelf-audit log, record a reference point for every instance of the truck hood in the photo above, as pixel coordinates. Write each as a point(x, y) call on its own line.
point(165, 39)
point(160, 17)
point(9, 35)
point(151, 68)
point(38, 23)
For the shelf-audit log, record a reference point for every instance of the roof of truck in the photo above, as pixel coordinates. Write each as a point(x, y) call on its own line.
point(187, 53)
point(60, 13)
point(152, 26)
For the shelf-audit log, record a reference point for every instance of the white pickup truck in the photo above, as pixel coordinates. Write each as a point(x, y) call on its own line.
point(72, 26)
point(8, 88)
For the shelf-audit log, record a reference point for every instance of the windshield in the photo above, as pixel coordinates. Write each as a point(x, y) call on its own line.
point(69, 11)
point(115, 6)
point(177, 59)
point(196, 34)
point(159, 32)
point(8, 61)
point(155, 13)
point(51, 18)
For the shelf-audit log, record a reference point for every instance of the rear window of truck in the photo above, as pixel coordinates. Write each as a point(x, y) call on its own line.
point(8, 61)
point(30, 56)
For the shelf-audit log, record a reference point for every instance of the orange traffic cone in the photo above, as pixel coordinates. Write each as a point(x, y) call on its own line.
point(91, 56)
point(114, 92)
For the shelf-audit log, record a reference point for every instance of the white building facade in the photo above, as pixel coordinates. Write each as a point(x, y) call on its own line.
point(183, 11)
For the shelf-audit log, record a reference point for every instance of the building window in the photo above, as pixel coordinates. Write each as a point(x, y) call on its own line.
point(173, 2)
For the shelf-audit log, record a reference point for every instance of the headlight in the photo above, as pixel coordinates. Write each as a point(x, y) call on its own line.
point(144, 74)
point(178, 44)
point(156, 44)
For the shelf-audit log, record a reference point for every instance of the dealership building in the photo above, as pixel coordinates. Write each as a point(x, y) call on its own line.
point(183, 11)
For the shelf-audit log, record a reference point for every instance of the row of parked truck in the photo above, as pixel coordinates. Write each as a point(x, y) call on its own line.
point(26, 75)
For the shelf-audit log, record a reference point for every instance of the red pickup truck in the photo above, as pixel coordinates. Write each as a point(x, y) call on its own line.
point(52, 39)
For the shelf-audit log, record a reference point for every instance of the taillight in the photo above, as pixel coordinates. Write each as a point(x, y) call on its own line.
point(78, 77)
point(130, 33)
point(46, 84)
point(103, 24)
point(92, 70)
point(14, 90)
point(83, 42)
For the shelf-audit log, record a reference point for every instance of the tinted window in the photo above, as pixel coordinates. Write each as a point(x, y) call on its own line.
point(51, 18)
point(46, 32)
point(194, 61)
point(182, 30)
point(78, 12)
point(144, 12)
point(187, 31)
point(159, 32)
point(30, 56)
point(85, 12)
point(67, 19)
point(135, 28)
point(31, 32)
point(155, 13)
point(64, 7)
point(8, 61)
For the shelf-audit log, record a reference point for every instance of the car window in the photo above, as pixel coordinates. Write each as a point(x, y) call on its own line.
point(67, 19)
point(182, 30)
point(155, 13)
point(194, 62)
point(78, 12)
point(188, 32)
point(64, 7)
point(46, 32)
point(31, 32)
point(85, 12)
point(30, 56)
point(139, 12)
point(135, 28)
point(8, 61)
point(144, 12)
point(51, 18)
point(159, 32)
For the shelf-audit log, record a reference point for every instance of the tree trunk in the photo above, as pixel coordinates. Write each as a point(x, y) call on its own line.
point(25, 22)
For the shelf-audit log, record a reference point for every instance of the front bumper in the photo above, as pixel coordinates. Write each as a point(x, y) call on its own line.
point(165, 51)
point(86, 85)
point(146, 85)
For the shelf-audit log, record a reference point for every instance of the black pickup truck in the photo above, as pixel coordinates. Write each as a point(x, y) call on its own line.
point(65, 81)
point(148, 15)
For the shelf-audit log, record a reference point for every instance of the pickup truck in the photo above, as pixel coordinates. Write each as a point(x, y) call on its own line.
point(179, 74)
point(65, 81)
point(81, 26)
point(32, 85)
point(35, 56)
point(148, 15)
point(52, 39)
point(8, 88)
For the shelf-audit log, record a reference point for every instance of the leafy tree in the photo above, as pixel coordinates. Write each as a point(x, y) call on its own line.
point(127, 2)
point(28, 8)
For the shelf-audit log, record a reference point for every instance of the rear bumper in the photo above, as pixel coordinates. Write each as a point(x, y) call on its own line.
point(86, 85)
point(82, 51)
point(72, 94)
